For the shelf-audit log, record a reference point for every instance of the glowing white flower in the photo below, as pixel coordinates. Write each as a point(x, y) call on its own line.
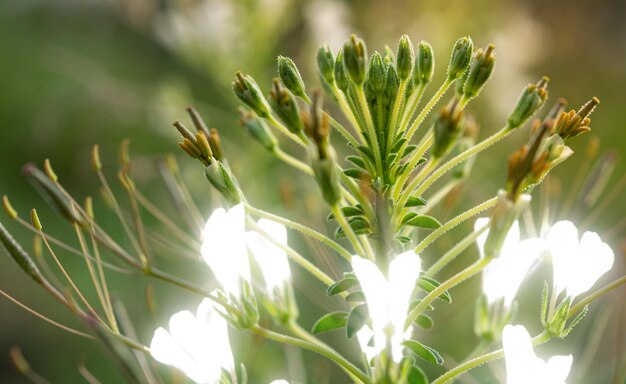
point(198, 345)
point(364, 336)
point(388, 300)
point(504, 275)
point(224, 248)
point(271, 258)
point(523, 366)
point(577, 265)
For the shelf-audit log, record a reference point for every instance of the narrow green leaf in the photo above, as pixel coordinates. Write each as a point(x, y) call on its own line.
point(415, 201)
point(355, 173)
point(342, 285)
point(424, 221)
point(356, 160)
point(357, 319)
point(398, 144)
point(408, 217)
point(417, 376)
point(330, 322)
point(423, 351)
point(424, 322)
point(357, 296)
point(348, 211)
point(367, 152)
point(428, 284)
point(404, 239)
point(413, 304)
point(408, 150)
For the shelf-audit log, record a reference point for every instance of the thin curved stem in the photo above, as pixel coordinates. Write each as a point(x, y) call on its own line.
point(347, 229)
point(588, 299)
point(371, 130)
point(454, 252)
point(295, 138)
point(300, 228)
point(320, 349)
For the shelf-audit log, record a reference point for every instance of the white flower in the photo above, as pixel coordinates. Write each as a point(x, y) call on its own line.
point(224, 248)
point(364, 336)
point(504, 275)
point(577, 265)
point(198, 345)
point(388, 300)
point(271, 259)
point(523, 366)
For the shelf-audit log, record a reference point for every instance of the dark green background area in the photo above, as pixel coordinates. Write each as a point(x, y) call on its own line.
point(78, 73)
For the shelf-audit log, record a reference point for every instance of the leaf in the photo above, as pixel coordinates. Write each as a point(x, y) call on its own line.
point(404, 239)
point(355, 173)
point(357, 319)
point(358, 296)
point(424, 322)
point(390, 159)
point(398, 144)
point(330, 322)
point(417, 376)
point(408, 217)
point(428, 284)
point(408, 150)
point(415, 201)
point(342, 285)
point(367, 152)
point(348, 211)
point(414, 304)
point(424, 221)
point(356, 160)
point(423, 351)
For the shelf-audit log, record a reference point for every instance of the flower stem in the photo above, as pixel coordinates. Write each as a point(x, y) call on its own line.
point(300, 228)
point(454, 252)
point(322, 350)
point(480, 360)
point(371, 130)
point(588, 299)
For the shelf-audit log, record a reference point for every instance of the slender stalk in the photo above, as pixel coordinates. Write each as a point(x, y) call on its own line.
point(295, 138)
point(302, 229)
point(412, 104)
point(455, 372)
point(397, 105)
point(460, 277)
point(454, 252)
point(347, 229)
point(404, 197)
point(427, 108)
point(422, 147)
point(462, 157)
point(371, 130)
point(322, 350)
point(588, 299)
point(282, 155)
point(347, 111)
point(434, 235)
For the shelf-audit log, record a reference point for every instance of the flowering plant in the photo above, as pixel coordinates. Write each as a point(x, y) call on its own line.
point(381, 210)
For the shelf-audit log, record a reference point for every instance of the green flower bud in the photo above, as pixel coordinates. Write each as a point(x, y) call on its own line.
point(258, 129)
point(556, 324)
point(326, 64)
point(447, 128)
point(392, 83)
point(460, 58)
point(221, 178)
point(290, 76)
point(424, 64)
point(286, 107)
point(529, 102)
point(327, 176)
point(249, 93)
point(355, 59)
point(376, 77)
point(480, 71)
point(341, 78)
point(405, 58)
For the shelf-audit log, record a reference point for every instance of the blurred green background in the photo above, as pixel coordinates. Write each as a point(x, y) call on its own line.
point(78, 73)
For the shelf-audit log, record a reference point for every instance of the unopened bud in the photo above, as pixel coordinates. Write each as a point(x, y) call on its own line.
point(257, 127)
point(327, 176)
point(341, 78)
point(405, 58)
point(480, 71)
point(424, 64)
point(355, 59)
point(326, 64)
point(249, 93)
point(376, 78)
point(447, 128)
point(221, 178)
point(460, 58)
point(286, 107)
point(290, 76)
point(532, 98)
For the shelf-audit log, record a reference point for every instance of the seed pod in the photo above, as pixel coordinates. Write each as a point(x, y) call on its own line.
point(17, 253)
point(532, 98)
point(355, 59)
point(460, 58)
point(290, 76)
point(404, 58)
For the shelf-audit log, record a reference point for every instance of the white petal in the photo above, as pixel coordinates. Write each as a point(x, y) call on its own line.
point(512, 239)
point(519, 357)
point(364, 336)
point(557, 369)
point(563, 240)
point(480, 241)
point(271, 259)
point(593, 259)
point(375, 289)
point(216, 347)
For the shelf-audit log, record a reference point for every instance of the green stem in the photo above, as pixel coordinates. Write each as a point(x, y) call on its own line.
point(434, 235)
point(347, 229)
point(404, 197)
point(414, 100)
point(302, 229)
point(491, 140)
point(397, 105)
point(322, 350)
point(588, 299)
point(371, 130)
point(282, 155)
point(295, 256)
point(450, 283)
point(454, 252)
point(422, 147)
point(345, 108)
point(451, 374)
point(295, 138)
